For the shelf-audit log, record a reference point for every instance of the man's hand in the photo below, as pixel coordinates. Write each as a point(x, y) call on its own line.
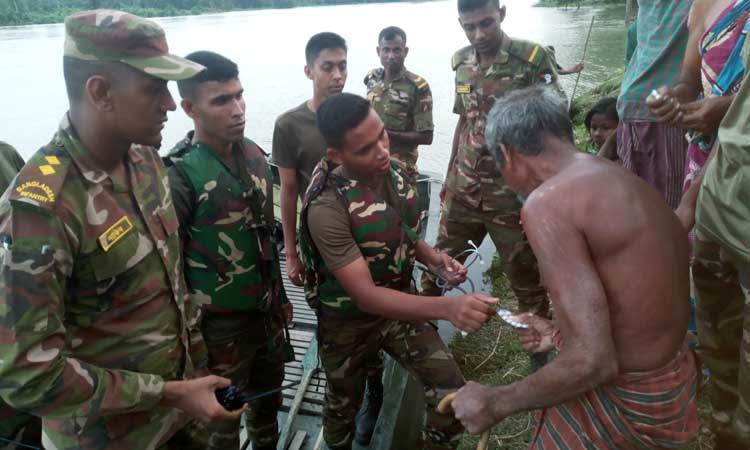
point(294, 269)
point(469, 312)
point(475, 407)
point(538, 338)
point(287, 309)
point(665, 107)
point(197, 398)
point(452, 271)
point(706, 114)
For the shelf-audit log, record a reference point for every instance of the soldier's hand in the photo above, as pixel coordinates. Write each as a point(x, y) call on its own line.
point(539, 336)
point(469, 312)
point(197, 398)
point(452, 271)
point(295, 270)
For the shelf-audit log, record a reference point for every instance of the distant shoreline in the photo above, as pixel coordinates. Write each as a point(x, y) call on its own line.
point(574, 3)
point(48, 15)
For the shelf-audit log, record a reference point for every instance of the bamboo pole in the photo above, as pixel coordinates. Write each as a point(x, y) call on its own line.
point(583, 59)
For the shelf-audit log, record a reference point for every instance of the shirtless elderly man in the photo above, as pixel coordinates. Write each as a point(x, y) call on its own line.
point(615, 261)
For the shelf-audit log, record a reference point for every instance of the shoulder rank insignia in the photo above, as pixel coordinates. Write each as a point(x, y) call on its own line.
point(463, 89)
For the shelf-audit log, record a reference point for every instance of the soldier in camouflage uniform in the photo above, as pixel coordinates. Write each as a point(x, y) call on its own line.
point(15, 425)
point(403, 100)
point(223, 195)
point(99, 337)
point(721, 271)
point(476, 199)
point(359, 241)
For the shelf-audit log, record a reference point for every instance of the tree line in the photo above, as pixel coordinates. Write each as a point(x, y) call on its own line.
point(21, 12)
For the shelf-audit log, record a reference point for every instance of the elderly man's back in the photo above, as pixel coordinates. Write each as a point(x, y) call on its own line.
point(614, 259)
point(639, 250)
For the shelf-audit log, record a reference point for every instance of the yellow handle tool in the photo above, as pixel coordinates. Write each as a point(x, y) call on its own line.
point(444, 407)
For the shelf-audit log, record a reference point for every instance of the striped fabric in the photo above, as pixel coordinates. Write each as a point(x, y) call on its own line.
point(656, 153)
point(657, 60)
point(639, 411)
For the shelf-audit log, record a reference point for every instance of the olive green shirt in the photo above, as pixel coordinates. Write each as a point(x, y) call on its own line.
point(10, 163)
point(298, 144)
point(403, 104)
point(723, 210)
point(330, 227)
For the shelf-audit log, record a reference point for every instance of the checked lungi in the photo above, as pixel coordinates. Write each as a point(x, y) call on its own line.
point(638, 411)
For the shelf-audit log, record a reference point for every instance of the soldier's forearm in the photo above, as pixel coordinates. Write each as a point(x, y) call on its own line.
point(289, 220)
point(454, 146)
point(65, 387)
point(411, 137)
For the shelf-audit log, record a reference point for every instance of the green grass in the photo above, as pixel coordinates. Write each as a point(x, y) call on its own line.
point(494, 356)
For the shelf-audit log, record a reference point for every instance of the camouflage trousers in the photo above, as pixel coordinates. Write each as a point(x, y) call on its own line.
point(246, 347)
point(723, 321)
point(346, 348)
point(192, 436)
point(19, 427)
point(460, 223)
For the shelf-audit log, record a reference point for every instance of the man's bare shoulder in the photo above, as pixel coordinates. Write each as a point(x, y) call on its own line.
point(588, 187)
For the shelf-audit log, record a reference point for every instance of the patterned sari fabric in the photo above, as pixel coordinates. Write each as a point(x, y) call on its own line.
point(722, 71)
point(638, 411)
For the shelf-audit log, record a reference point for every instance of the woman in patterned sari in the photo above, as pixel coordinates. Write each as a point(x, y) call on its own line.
point(711, 74)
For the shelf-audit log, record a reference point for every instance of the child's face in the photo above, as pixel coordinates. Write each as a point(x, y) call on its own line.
point(601, 128)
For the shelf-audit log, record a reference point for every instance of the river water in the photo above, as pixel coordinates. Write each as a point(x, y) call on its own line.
point(268, 46)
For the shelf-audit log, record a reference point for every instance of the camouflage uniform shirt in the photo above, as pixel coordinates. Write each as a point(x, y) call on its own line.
point(403, 104)
point(94, 316)
point(474, 178)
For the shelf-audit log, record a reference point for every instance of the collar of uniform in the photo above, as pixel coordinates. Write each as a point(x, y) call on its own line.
point(399, 75)
point(67, 138)
point(502, 55)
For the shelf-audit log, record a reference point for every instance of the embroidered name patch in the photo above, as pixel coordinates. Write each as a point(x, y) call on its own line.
point(463, 89)
point(37, 191)
point(122, 227)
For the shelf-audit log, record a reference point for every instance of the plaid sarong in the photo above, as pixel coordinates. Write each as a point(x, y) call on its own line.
point(638, 411)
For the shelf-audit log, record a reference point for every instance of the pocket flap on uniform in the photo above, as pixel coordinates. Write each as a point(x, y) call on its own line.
point(121, 256)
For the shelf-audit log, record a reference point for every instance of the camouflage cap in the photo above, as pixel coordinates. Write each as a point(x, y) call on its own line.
point(116, 36)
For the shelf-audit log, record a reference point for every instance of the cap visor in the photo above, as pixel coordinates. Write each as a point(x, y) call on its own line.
point(166, 67)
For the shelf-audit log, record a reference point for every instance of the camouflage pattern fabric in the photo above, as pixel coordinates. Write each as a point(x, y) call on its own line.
point(247, 348)
point(10, 163)
point(403, 104)
point(231, 260)
point(387, 237)
point(232, 265)
point(95, 315)
point(474, 177)
point(459, 224)
point(346, 347)
point(480, 201)
point(723, 321)
point(15, 425)
point(116, 36)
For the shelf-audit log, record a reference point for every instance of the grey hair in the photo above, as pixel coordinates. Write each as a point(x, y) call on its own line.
point(520, 119)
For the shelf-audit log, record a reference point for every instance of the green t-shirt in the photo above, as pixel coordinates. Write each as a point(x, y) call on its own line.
point(298, 144)
point(723, 211)
point(10, 163)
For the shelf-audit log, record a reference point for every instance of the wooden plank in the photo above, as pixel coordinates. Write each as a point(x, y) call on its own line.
point(298, 439)
point(310, 365)
point(303, 408)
